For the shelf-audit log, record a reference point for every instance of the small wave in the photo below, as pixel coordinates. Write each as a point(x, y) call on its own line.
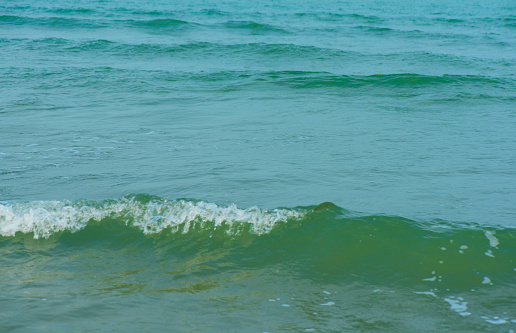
point(369, 18)
point(449, 20)
point(53, 22)
point(168, 23)
point(149, 13)
point(11, 19)
point(293, 50)
point(92, 45)
point(71, 10)
point(201, 48)
point(214, 12)
point(253, 27)
point(374, 29)
point(317, 79)
point(328, 16)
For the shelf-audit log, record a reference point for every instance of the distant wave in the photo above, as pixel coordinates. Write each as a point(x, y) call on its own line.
point(253, 26)
point(90, 22)
point(72, 11)
point(157, 24)
point(54, 22)
point(326, 57)
point(463, 88)
point(162, 23)
point(394, 80)
point(329, 16)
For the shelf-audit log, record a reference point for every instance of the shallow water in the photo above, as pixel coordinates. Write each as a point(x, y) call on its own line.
point(400, 114)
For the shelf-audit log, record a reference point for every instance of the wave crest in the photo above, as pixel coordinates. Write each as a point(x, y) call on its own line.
point(150, 214)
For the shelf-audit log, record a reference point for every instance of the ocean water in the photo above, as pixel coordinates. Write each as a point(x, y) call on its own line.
point(257, 166)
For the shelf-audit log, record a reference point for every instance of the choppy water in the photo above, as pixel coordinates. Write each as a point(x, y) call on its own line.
point(400, 114)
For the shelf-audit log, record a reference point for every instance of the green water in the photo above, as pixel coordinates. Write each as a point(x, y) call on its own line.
point(299, 166)
point(145, 263)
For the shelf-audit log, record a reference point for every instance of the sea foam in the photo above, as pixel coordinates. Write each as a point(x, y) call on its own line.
point(45, 218)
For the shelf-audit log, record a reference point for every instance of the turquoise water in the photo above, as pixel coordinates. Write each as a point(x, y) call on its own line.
point(257, 166)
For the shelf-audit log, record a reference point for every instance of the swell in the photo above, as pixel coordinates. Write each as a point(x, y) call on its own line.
point(161, 23)
point(70, 20)
point(253, 26)
point(206, 49)
point(72, 11)
point(311, 80)
point(261, 51)
point(54, 22)
point(465, 88)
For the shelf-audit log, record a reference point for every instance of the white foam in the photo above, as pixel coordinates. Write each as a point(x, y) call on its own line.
point(430, 293)
point(458, 305)
point(157, 216)
point(496, 321)
point(44, 218)
point(493, 241)
point(486, 280)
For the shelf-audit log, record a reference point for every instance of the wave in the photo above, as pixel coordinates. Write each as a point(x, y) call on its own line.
point(325, 237)
point(10, 19)
point(376, 29)
point(417, 34)
point(148, 213)
point(202, 12)
point(291, 50)
point(163, 23)
point(91, 22)
point(155, 24)
point(253, 27)
point(152, 214)
point(341, 17)
point(318, 79)
point(444, 87)
point(71, 11)
point(260, 52)
point(54, 22)
point(204, 49)
point(455, 85)
point(117, 48)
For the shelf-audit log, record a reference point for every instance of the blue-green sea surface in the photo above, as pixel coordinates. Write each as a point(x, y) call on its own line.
point(257, 166)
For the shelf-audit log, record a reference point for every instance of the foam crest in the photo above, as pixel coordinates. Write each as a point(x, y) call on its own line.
point(154, 216)
point(44, 218)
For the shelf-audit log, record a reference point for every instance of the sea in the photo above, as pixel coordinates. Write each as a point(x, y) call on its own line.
point(258, 166)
